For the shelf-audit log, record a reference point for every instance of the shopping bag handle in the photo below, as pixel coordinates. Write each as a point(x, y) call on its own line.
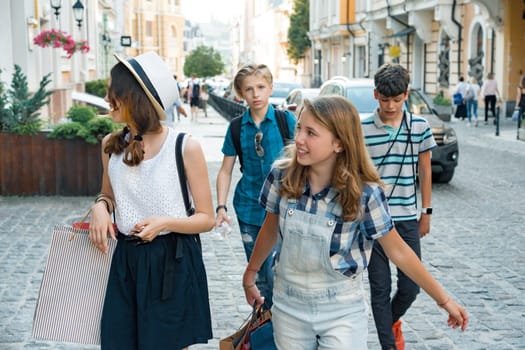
point(78, 226)
point(257, 313)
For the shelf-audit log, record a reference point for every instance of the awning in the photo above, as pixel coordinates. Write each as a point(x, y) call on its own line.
point(401, 33)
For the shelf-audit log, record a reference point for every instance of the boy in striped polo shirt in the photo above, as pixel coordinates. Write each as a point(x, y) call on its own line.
point(399, 145)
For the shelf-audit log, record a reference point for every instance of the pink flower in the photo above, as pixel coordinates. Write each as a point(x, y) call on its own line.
point(57, 38)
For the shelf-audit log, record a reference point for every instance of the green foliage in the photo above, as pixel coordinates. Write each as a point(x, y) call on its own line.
point(97, 87)
point(84, 124)
point(81, 114)
point(18, 108)
point(97, 128)
point(66, 131)
point(6, 116)
point(441, 100)
point(298, 41)
point(204, 61)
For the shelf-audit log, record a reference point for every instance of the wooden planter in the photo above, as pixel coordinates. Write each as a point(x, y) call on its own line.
point(37, 165)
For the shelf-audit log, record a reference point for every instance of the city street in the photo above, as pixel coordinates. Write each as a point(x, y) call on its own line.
point(475, 249)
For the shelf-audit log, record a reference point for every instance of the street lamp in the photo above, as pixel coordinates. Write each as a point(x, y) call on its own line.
point(56, 5)
point(78, 12)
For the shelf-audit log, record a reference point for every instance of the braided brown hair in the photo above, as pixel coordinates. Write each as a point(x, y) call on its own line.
point(138, 114)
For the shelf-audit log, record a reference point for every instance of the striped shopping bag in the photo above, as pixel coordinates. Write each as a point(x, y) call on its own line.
point(69, 304)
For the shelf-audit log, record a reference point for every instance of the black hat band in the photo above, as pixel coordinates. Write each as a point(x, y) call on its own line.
point(138, 69)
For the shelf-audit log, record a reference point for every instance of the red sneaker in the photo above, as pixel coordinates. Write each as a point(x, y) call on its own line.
point(398, 334)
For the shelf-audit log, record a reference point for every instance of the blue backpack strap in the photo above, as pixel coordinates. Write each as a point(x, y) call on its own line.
point(235, 130)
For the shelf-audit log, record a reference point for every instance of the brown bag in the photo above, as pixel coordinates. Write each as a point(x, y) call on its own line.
point(240, 340)
point(233, 341)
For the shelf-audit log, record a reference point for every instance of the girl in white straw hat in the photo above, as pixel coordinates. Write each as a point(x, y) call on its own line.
point(157, 294)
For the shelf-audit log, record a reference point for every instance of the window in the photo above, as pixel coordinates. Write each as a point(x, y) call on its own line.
point(149, 28)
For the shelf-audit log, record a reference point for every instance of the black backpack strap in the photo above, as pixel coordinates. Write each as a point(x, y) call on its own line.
point(182, 175)
point(282, 122)
point(235, 130)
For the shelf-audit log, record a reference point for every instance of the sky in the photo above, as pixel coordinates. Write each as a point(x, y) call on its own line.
point(202, 10)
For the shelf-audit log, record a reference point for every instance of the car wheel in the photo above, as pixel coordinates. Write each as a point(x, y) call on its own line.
point(443, 177)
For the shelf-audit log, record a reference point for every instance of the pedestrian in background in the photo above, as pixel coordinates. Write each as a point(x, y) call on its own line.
point(204, 99)
point(472, 96)
point(157, 293)
point(520, 98)
point(400, 145)
point(461, 109)
point(194, 92)
point(490, 93)
point(325, 201)
point(260, 143)
point(176, 107)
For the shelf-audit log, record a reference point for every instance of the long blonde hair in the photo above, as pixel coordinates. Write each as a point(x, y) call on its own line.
point(353, 166)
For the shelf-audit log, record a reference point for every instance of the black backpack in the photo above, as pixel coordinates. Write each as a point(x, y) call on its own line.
point(196, 90)
point(235, 129)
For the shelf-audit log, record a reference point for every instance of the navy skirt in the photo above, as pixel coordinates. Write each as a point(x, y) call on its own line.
point(157, 295)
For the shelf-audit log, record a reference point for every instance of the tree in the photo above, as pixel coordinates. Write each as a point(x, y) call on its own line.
point(19, 110)
point(298, 41)
point(204, 61)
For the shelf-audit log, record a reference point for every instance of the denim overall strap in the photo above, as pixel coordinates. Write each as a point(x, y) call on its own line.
point(304, 261)
point(325, 308)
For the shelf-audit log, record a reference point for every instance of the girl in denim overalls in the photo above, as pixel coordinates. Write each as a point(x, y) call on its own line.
point(326, 203)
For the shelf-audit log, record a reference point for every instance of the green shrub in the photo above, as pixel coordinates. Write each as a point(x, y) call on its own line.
point(81, 114)
point(84, 124)
point(97, 87)
point(441, 100)
point(95, 129)
point(19, 109)
point(68, 131)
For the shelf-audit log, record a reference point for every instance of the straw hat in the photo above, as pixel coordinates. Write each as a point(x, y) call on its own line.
point(155, 78)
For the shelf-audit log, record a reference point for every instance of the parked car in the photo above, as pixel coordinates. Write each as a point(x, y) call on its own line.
point(281, 90)
point(361, 93)
point(294, 101)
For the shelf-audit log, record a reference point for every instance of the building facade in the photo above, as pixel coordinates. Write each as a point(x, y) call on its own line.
point(264, 37)
point(437, 40)
point(158, 26)
point(108, 26)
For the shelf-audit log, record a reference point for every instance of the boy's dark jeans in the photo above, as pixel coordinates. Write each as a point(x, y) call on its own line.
point(388, 310)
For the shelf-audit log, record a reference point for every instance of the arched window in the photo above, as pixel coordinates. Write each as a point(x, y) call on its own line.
point(475, 62)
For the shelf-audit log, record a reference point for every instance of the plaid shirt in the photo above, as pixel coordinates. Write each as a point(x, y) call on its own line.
point(255, 168)
point(352, 241)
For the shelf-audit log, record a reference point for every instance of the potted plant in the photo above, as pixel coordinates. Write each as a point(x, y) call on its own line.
point(442, 106)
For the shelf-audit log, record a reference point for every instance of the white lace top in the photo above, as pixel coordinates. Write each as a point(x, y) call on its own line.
point(150, 189)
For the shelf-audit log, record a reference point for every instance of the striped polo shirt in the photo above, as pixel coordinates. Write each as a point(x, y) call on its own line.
point(396, 156)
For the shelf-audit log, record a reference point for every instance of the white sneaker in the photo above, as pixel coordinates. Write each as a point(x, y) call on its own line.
point(468, 124)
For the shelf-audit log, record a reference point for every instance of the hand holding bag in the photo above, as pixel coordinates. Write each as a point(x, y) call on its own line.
point(256, 334)
point(73, 287)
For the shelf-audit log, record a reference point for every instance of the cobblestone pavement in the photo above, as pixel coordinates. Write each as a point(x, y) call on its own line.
point(475, 250)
